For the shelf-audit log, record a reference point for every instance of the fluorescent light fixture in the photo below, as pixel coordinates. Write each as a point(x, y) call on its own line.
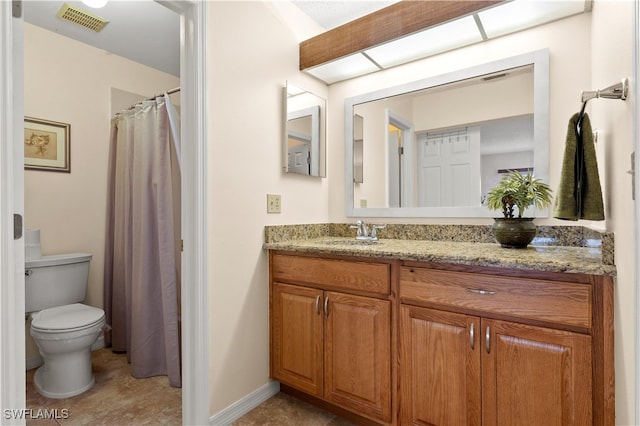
point(447, 36)
point(343, 68)
point(95, 4)
point(504, 18)
point(520, 14)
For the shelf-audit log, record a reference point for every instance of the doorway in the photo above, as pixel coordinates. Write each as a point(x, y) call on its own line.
point(400, 160)
point(195, 336)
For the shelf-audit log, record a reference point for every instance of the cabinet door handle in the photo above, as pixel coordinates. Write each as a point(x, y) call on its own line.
point(318, 304)
point(487, 339)
point(326, 306)
point(472, 336)
point(481, 292)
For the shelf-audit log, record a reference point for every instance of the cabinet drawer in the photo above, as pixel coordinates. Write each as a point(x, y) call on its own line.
point(340, 274)
point(550, 301)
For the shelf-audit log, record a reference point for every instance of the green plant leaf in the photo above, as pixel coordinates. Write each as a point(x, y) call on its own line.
point(518, 190)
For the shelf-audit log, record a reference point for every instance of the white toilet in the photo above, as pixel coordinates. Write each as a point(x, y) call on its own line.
point(63, 329)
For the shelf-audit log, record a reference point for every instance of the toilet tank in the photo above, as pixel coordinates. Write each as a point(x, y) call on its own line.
point(55, 280)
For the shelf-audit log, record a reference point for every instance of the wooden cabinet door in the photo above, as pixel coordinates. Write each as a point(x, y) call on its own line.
point(297, 337)
point(535, 376)
point(358, 354)
point(439, 367)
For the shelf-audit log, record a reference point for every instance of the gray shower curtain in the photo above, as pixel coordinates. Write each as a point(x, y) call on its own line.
point(141, 277)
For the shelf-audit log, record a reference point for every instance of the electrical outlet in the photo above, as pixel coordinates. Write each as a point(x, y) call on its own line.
point(273, 203)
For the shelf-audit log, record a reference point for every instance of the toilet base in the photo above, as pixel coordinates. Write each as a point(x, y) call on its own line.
point(66, 352)
point(38, 381)
point(64, 374)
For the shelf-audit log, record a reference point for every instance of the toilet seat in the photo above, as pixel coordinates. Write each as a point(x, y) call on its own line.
point(67, 318)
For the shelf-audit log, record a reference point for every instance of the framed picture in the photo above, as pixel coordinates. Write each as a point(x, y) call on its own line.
point(47, 145)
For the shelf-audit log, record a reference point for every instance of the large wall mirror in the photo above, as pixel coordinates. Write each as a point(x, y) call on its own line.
point(304, 145)
point(434, 147)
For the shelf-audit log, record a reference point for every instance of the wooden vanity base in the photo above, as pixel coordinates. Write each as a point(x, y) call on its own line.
point(396, 342)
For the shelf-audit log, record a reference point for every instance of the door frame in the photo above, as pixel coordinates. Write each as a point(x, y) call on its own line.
point(636, 193)
point(407, 170)
point(12, 326)
point(195, 214)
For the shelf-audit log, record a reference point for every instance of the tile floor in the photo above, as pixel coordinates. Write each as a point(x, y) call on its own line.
point(285, 410)
point(119, 399)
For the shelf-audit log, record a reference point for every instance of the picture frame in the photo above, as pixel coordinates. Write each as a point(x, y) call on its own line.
point(47, 145)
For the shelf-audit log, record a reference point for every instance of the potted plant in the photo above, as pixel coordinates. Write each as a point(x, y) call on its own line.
point(517, 191)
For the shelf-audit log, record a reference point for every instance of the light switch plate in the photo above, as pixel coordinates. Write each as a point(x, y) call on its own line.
point(273, 203)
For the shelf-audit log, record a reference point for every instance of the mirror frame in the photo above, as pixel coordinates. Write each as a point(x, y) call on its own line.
point(540, 61)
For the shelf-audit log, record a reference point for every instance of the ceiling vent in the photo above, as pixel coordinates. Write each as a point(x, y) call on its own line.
point(80, 17)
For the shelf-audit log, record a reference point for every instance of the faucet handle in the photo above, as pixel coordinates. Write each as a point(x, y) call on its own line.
point(362, 229)
point(374, 230)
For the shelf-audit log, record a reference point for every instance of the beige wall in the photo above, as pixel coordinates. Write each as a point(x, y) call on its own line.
point(71, 82)
point(611, 60)
point(250, 54)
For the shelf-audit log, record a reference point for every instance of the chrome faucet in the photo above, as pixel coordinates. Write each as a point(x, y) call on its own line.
point(362, 232)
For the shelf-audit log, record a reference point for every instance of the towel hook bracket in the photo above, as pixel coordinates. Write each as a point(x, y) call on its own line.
point(616, 91)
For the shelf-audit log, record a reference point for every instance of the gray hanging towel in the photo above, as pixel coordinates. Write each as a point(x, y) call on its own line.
point(579, 195)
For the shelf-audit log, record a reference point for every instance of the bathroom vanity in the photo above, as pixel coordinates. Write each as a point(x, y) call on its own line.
point(447, 330)
point(331, 330)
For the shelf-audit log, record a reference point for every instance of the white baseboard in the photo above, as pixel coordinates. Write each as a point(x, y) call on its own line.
point(246, 404)
point(37, 361)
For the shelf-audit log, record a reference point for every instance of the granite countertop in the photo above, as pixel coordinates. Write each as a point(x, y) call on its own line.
point(583, 251)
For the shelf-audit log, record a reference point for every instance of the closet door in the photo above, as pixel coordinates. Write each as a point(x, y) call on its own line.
point(448, 168)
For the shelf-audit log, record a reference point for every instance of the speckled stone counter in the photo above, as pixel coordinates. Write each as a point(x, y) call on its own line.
point(570, 249)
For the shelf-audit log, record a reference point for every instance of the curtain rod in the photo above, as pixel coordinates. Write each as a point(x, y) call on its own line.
point(168, 92)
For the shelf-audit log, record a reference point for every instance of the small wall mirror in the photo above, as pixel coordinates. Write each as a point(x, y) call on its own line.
point(358, 148)
point(304, 145)
point(434, 147)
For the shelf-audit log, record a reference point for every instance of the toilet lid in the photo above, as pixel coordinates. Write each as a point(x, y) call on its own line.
point(67, 317)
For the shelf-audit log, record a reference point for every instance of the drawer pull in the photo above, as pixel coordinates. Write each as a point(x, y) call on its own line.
point(481, 292)
point(326, 306)
point(472, 336)
point(487, 339)
point(318, 304)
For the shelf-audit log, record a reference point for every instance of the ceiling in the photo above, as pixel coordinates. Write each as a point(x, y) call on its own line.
point(143, 31)
point(331, 14)
point(149, 33)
